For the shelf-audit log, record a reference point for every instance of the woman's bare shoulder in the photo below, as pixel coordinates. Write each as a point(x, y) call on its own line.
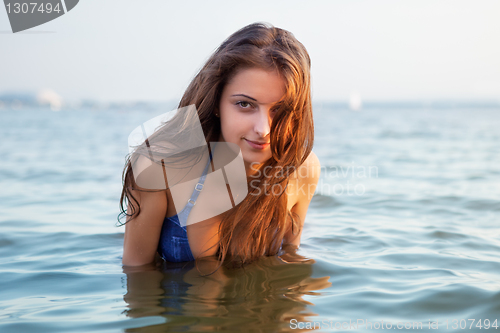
point(302, 190)
point(302, 182)
point(312, 161)
point(309, 171)
point(142, 230)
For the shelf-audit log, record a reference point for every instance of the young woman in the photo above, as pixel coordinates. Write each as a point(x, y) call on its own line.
point(254, 92)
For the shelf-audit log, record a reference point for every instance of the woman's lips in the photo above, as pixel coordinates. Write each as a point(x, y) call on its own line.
point(257, 145)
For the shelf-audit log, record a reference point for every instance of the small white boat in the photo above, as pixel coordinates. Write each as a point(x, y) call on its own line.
point(355, 102)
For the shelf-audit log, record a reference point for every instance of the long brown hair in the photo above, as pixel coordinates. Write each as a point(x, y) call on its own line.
point(257, 225)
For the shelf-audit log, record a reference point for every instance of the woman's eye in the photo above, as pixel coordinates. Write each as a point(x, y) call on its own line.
point(243, 104)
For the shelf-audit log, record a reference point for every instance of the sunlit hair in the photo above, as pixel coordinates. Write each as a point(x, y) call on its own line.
point(256, 226)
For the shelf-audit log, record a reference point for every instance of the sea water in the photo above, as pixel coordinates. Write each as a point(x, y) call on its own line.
point(403, 230)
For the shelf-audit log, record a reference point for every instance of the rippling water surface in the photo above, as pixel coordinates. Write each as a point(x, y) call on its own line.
point(404, 228)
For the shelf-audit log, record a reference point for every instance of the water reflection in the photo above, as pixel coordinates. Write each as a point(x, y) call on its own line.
point(263, 296)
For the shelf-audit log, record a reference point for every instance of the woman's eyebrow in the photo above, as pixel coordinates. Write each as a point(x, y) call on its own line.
point(244, 96)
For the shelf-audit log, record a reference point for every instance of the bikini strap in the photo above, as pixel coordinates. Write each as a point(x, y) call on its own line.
point(196, 192)
point(199, 186)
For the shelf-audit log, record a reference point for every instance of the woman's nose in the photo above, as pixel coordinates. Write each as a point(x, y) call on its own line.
point(263, 123)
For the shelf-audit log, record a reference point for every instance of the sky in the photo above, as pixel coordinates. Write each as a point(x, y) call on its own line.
point(124, 50)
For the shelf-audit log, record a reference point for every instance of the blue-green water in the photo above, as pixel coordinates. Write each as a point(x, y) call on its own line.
point(404, 227)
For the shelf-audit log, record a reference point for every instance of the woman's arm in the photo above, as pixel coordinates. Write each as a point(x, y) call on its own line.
point(308, 174)
point(143, 232)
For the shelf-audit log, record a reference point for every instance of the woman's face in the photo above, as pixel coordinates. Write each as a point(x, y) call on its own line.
point(246, 112)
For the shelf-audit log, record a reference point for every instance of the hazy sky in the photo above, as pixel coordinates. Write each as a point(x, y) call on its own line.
point(150, 50)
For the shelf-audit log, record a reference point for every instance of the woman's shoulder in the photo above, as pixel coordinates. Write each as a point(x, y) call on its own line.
point(312, 162)
point(302, 190)
point(309, 171)
point(302, 183)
